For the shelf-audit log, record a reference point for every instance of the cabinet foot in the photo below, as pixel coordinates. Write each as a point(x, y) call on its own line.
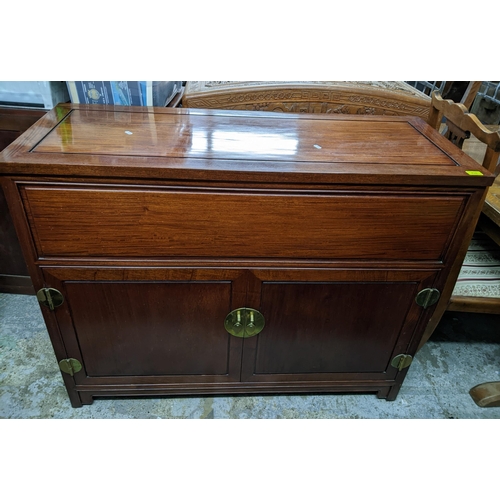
point(78, 399)
point(392, 394)
point(74, 398)
point(87, 399)
point(382, 394)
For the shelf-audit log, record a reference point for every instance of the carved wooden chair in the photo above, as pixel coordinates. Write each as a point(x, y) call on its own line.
point(478, 285)
point(472, 293)
point(460, 124)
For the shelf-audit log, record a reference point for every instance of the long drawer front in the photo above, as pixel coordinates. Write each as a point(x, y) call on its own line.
point(70, 221)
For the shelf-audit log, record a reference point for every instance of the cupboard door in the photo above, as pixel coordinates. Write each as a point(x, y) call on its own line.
point(158, 329)
point(338, 327)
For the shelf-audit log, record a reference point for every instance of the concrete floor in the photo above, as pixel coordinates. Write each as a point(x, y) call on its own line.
point(464, 352)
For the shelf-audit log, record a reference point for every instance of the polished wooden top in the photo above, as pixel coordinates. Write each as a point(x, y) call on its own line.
point(227, 137)
point(96, 140)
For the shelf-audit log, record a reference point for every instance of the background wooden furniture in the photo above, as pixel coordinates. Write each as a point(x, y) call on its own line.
point(372, 98)
point(489, 222)
point(14, 276)
point(15, 121)
point(486, 395)
point(488, 235)
point(470, 94)
point(147, 231)
point(458, 125)
point(463, 92)
point(177, 99)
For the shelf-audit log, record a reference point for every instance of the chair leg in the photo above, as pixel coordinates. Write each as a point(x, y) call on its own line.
point(486, 395)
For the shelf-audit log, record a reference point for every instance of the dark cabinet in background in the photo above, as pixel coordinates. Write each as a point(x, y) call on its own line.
point(14, 276)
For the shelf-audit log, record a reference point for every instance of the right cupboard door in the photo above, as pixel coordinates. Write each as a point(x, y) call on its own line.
point(331, 325)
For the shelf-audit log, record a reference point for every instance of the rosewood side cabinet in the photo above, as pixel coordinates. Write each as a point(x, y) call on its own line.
point(179, 252)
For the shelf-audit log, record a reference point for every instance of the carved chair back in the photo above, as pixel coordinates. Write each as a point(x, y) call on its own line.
point(460, 124)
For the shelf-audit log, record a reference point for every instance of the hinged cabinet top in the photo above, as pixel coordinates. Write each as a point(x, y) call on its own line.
point(160, 142)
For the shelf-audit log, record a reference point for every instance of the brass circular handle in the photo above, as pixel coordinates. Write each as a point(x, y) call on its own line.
point(244, 322)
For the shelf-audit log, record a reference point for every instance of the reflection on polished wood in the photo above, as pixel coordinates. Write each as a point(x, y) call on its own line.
point(233, 136)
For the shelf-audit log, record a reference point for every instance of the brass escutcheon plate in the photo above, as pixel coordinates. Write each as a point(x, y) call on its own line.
point(244, 322)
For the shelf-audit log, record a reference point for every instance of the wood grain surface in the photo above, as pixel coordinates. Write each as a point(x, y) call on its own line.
point(150, 223)
point(235, 137)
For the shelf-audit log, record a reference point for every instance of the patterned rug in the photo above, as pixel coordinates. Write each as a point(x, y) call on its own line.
point(480, 273)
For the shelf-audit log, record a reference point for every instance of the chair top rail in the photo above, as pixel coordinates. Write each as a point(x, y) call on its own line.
point(458, 114)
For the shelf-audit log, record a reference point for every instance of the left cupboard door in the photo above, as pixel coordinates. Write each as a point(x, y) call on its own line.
point(149, 326)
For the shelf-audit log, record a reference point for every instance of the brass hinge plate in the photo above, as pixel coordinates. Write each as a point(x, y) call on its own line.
point(70, 366)
point(427, 297)
point(50, 297)
point(401, 361)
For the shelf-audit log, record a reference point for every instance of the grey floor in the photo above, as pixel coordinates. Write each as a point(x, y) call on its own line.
point(464, 352)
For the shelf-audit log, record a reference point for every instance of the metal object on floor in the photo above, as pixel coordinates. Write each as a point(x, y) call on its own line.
point(486, 395)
